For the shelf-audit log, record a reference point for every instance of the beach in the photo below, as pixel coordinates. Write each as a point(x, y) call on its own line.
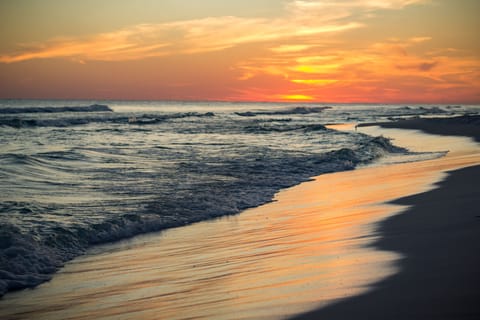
point(381, 241)
point(439, 277)
point(439, 238)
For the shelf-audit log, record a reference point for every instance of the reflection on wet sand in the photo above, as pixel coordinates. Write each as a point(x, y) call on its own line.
point(307, 249)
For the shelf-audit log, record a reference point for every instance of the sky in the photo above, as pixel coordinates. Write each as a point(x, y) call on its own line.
point(344, 51)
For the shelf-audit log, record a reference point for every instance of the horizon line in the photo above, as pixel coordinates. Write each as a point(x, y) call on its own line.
point(245, 101)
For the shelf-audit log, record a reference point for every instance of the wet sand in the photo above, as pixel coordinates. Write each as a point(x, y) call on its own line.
point(317, 245)
point(439, 239)
point(439, 277)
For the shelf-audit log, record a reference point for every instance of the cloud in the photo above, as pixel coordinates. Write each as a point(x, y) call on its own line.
point(421, 66)
point(426, 66)
point(315, 82)
point(328, 10)
point(290, 48)
point(302, 19)
point(124, 44)
point(212, 34)
point(392, 70)
point(420, 39)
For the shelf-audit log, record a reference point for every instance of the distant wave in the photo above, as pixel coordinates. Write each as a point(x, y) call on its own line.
point(145, 119)
point(91, 108)
point(268, 128)
point(296, 110)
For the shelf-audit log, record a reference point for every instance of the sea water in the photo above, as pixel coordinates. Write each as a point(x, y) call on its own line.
point(78, 173)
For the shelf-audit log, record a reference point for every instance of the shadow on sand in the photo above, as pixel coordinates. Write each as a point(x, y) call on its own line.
point(439, 278)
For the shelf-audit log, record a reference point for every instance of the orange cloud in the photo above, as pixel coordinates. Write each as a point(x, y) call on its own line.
point(290, 48)
point(314, 82)
point(303, 19)
point(385, 71)
point(125, 44)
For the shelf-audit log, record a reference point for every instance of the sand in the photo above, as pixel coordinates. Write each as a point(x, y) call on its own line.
point(439, 238)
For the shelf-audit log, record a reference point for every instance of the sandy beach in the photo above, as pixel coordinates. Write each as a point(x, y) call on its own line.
point(439, 239)
point(322, 244)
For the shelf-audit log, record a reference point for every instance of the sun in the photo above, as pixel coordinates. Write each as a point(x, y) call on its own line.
point(297, 97)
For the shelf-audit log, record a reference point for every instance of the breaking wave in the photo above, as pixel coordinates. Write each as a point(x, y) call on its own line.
point(268, 128)
point(292, 111)
point(91, 108)
point(146, 119)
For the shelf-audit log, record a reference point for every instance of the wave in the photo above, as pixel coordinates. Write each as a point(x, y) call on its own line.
point(292, 111)
point(31, 255)
point(146, 119)
point(90, 108)
point(269, 128)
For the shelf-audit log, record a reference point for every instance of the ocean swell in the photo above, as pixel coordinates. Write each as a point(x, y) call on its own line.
point(292, 111)
point(90, 108)
point(61, 122)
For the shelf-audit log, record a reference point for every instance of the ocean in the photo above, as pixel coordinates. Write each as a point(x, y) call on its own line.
point(74, 174)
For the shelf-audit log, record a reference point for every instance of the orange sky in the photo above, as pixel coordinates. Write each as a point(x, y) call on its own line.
point(397, 51)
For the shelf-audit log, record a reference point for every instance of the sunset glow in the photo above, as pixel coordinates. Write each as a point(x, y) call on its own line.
point(424, 51)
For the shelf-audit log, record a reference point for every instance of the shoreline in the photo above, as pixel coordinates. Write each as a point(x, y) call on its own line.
point(467, 126)
point(439, 238)
point(439, 275)
point(186, 253)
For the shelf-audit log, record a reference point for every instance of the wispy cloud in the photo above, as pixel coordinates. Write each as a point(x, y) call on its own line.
point(302, 19)
point(390, 69)
point(291, 48)
point(126, 44)
point(314, 82)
